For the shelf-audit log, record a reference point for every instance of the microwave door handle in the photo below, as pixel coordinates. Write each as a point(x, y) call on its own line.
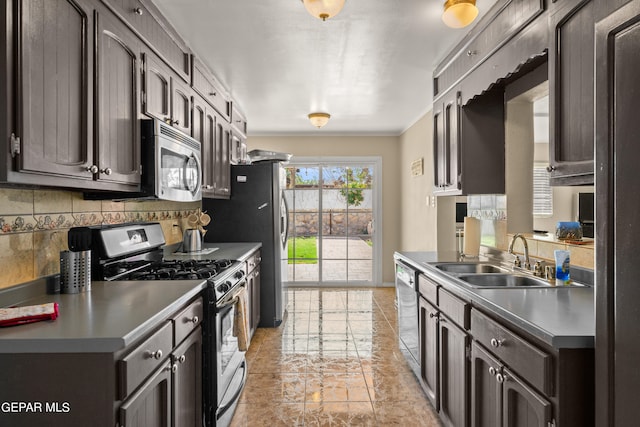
point(198, 174)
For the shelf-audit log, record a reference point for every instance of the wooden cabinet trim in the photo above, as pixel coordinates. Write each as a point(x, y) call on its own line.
point(465, 49)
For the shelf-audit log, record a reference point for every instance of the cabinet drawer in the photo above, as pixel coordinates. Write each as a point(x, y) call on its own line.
point(145, 20)
point(253, 261)
point(145, 358)
point(204, 83)
point(187, 320)
point(454, 308)
point(428, 289)
point(528, 361)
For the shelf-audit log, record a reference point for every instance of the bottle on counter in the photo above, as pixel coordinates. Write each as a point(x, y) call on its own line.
point(563, 277)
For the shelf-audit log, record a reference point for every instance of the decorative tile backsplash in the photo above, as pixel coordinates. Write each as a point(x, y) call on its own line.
point(34, 226)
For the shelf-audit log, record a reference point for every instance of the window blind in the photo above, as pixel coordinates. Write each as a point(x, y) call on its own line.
point(542, 192)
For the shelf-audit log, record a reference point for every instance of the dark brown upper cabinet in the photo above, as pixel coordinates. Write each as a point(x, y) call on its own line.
point(210, 89)
point(571, 93)
point(53, 98)
point(117, 101)
point(468, 144)
point(166, 97)
point(204, 130)
point(501, 25)
point(152, 28)
point(222, 160)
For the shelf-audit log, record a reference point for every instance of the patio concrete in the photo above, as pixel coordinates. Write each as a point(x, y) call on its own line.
point(335, 266)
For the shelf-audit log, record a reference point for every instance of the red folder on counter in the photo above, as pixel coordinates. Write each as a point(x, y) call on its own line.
point(32, 313)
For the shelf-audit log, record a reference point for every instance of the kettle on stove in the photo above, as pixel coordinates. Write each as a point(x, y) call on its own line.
point(192, 240)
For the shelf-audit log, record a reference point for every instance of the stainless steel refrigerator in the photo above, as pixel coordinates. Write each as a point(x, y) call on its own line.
point(257, 212)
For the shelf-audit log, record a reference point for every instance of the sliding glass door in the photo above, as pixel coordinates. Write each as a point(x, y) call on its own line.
point(332, 208)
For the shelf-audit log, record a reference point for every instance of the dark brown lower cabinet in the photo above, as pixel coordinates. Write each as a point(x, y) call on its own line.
point(522, 405)
point(454, 373)
point(429, 351)
point(501, 398)
point(151, 404)
point(187, 381)
point(486, 392)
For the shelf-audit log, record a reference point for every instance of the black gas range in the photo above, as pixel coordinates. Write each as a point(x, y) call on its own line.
point(136, 252)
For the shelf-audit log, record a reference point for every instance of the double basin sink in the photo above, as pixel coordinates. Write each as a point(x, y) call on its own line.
point(486, 275)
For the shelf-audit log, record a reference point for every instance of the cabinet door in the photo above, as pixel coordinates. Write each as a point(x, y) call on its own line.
point(180, 105)
point(429, 351)
point(222, 165)
point(452, 141)
point(157, 89)
point(255, 299)
point(55, 88)
point(486, 391)
point(151, 404)
point(438, 149)
point(617, 207)
point(187, 381)
point(118, 89)
point(447, 137)
point(522, 406)
point(454, 374)
point(203, 129)
point(571, 93)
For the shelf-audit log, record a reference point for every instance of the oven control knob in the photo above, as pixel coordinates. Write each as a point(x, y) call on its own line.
point(239, 274)
point(224, 287)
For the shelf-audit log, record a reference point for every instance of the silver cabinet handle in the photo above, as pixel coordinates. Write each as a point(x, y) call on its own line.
point(551, 168)
point(176, 122)
point(501, 378)
point(174, 368)
point(195, 319)
point(106, 171)
point(208, 187)
point(182, 358)
point(432, 315)
point(92, 169)
point(138, 11)
point(213, 94)
point(155, 354)
point(496, 342)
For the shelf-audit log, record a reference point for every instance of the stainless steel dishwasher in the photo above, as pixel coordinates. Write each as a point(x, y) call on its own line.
point(407, 303)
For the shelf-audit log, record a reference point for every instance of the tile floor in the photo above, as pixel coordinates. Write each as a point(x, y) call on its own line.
point(335, 361)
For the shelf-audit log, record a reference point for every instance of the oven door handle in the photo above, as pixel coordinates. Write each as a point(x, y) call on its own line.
point(236, 395)
point(232, 301)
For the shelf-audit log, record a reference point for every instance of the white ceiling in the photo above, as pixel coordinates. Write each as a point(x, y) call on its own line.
point(369, 67)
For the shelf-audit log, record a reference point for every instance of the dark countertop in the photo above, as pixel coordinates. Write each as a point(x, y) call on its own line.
point(112, 315)
point(560, 317)
point(106, 319)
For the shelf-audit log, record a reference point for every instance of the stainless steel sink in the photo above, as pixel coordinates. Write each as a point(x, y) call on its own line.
point(504, 281)
point(470, 267)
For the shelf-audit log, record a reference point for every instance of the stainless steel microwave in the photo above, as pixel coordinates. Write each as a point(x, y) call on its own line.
point(171, 165)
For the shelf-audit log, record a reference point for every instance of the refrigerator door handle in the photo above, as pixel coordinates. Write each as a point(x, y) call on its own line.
point(284, 220)
point(262, 206)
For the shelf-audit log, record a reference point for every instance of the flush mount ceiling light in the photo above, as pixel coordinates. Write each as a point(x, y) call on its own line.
point(323, 9)
point(319, 119)
point(459, 13)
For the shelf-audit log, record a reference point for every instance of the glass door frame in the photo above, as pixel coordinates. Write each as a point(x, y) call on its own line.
point(376, 190)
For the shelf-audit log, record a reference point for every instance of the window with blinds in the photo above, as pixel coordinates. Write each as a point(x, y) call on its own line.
point(542, 192)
